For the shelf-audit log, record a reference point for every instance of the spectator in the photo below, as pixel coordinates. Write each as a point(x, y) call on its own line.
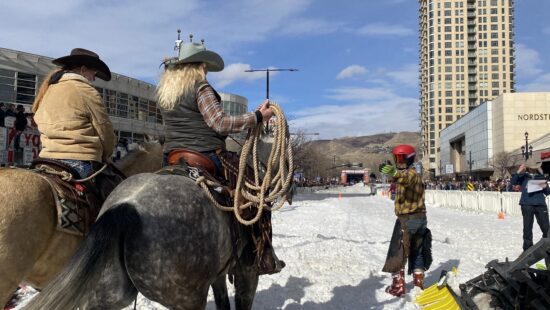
point(20, 118)
point(3, 109)
point(20, 125)
point(533, 203)
point(11, 110)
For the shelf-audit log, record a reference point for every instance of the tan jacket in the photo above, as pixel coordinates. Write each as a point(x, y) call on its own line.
point(73, 123)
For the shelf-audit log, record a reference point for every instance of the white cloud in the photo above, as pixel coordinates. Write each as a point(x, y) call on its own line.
point(407, 75)
point(385, 30)
point(358, 93)
point(373, 111)
point(133, 36)
point(235, 72)
point(541, 83)
point(351, 71)
point(361, 111)
point(528, 61)
point(311, 27)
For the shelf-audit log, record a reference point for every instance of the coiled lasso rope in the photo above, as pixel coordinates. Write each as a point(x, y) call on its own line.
point(278, 172)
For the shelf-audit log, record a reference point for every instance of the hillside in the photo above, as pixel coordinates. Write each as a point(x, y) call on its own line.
point(369, 150)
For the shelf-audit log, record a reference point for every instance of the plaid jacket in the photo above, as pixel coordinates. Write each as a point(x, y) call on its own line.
point(215, 117)
point(409, 196)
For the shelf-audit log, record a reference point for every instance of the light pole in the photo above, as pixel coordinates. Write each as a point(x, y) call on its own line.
point(267, 70)
point(470, 163)
point(527, 150)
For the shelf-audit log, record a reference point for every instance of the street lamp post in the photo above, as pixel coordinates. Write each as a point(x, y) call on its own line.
point(267, 70)
point(527, 150)
point(470, 163)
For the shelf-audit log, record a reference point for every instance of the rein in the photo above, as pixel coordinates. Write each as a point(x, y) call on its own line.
point(67, 176)
point(275, 183)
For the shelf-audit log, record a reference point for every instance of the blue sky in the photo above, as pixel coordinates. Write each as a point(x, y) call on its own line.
point(358, 59)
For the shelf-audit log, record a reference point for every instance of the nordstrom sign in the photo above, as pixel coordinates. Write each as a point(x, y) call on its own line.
point(534, 117)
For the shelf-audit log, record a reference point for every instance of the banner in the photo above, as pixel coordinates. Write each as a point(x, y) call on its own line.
point(18, 147)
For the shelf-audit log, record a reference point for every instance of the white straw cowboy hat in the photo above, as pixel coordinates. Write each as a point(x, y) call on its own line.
point(196, 52)
point(84, 57)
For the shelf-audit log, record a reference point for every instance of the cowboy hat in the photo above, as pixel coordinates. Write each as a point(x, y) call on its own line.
point(83, 57)
point(196, 52)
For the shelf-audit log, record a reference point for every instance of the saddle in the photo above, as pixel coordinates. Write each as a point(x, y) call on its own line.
point(258, 251)
point(191, 158)
point(77, 204)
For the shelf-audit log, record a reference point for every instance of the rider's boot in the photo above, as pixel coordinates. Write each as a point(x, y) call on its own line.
point(269, 262)
point(418, 278)
point(397, 287)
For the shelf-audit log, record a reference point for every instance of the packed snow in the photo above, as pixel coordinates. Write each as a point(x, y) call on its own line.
point(335, 241)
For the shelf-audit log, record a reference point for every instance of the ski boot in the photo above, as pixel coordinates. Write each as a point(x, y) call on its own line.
point(418, 279)
point(397, 287)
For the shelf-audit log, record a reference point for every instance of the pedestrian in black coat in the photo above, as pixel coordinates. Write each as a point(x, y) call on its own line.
point(533, 204)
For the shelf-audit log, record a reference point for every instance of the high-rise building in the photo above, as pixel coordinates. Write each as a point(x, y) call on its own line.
point(466, 58)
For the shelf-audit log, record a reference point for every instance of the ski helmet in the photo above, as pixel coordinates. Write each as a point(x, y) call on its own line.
point(403, 155)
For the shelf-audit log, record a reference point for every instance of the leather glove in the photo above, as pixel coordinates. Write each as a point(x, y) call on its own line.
point(388, 170)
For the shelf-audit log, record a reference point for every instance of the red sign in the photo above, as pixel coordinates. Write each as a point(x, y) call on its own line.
point(544, 155)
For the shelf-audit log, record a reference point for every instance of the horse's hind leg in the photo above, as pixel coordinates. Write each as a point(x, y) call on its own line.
point(246, 282)
point(115, 289)
point(219, 287)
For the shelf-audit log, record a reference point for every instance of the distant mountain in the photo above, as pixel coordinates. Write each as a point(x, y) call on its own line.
point(369, 150)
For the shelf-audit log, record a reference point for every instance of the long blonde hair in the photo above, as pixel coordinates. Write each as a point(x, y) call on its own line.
point(178, 80)
point(42, 90)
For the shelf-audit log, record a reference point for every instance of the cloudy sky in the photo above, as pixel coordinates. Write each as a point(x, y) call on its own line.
point(357, 59)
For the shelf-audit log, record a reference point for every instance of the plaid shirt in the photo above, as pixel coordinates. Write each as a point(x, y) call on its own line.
point(409, 196)
point(214, 116)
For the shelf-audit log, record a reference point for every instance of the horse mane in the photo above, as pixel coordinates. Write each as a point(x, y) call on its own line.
point(144, 153)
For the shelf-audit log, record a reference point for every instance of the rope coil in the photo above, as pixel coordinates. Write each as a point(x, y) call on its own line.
point(278, 172)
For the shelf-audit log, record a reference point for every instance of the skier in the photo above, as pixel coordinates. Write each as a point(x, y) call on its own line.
point(411, 238)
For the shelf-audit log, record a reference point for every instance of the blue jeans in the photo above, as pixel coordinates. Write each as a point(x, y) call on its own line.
point(417, 229)
point(216, 160)
point(84, 168)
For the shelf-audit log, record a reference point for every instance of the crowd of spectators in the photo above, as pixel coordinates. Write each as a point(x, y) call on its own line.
point(10, 110)
point(500, 185)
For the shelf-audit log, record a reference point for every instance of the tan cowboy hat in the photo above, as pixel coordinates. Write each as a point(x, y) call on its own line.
point(83, 57)
point(196, 52)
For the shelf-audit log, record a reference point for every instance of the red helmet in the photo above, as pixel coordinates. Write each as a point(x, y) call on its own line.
point(403, 155)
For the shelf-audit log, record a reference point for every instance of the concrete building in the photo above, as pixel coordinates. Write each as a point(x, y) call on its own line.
point(466, 58)
point(494, 132)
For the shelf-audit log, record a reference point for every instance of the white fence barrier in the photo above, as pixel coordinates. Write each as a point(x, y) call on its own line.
point(490, 202)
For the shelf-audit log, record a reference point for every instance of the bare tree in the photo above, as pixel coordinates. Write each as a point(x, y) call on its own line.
point(503, 163)
point(307, 159)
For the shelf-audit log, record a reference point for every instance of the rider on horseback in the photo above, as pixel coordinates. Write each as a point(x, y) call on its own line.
point(194, 120)
point(73, 123)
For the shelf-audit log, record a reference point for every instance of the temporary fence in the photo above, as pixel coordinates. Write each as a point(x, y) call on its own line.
point(489, 202)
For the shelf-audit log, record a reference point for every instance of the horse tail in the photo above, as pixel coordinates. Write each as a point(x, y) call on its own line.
point(81, 274)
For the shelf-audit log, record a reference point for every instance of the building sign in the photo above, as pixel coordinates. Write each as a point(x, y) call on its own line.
point(534, 117)
point(449, 168)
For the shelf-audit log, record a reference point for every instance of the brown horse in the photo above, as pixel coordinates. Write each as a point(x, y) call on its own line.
point(31, 249)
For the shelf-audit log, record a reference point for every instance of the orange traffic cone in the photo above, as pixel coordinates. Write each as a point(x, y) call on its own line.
point(500, 215)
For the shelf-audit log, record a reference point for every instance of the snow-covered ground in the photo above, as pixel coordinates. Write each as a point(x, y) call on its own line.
point(335, 248)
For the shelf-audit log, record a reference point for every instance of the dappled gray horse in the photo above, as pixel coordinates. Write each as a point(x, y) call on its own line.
point(159, 235)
